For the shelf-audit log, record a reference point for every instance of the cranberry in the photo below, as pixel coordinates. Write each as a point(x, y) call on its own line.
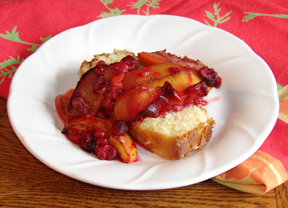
point(218, 82)
point(109, 101)
point(101, 136)
point(100, 85)
point(111, 153)
point(98, 133)
point(101, 62)
point(199, 101)
point(197, 90)
point(88, 144)
point(156, 108)
point(130, 61)
point(106, 152)
point(102, 141)
point(99, 68)
point(76, 136)
point(79, 105)
point(209, 75)
point(120, 67)
point(119, 128)
point(173, 70)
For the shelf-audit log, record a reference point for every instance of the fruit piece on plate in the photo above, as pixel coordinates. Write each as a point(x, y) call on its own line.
point(126, 148)
point(153, 58)
point(184, 61)
point(124, 92)
point(96, 136)
point(61, 103)
point(180, 80)
point(160, 57)
point(147, 74)
point(85, 99)
point(92, 88)
point(210, 77)
point(132, 102)
point(168, 95)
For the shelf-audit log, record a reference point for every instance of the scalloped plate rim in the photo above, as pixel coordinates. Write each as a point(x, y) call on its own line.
point(19, 131)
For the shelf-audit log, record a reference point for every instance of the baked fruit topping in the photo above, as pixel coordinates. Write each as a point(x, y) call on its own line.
point(140, 97)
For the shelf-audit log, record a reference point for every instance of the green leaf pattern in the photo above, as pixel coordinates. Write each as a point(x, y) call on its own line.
point(8, 67)
point(112, 12)
point(13, 36)
point(251, 15)
point(154, 4)
point(216, 18)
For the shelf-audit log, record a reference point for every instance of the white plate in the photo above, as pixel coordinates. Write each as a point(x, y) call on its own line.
point(245, 112)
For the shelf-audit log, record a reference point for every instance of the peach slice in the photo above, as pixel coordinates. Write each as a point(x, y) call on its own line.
point(168, 96)
point(180, 81)
point(126, 148)
point(133, 102)
point(84, 123)
point(61, 103)
point(84, 100)
point(91, 90)
point(147, 74)
point(148, 59)
point(160, 57)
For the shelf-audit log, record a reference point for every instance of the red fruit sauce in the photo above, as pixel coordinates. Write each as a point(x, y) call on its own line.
point(108, 86)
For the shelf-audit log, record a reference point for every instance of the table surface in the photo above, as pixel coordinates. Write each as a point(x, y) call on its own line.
point(26, 182)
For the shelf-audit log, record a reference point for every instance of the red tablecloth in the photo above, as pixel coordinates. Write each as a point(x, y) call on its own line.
point(262, 24)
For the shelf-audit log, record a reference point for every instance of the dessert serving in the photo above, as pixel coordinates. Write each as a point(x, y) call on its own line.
point(152, 98)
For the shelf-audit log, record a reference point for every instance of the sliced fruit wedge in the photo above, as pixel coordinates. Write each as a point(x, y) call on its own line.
point(160, 57)
point(94, 135)
point(61, 103)
point(126, 148)
point(148, 59)
point(84, 100)
point(132, 102)
point(149, 73)
point(180, 80)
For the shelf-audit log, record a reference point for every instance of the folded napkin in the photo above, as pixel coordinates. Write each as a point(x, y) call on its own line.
point(262, 24)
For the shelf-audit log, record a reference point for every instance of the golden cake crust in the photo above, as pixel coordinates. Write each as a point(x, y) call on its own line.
point(173, 147)
point(108, 58)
